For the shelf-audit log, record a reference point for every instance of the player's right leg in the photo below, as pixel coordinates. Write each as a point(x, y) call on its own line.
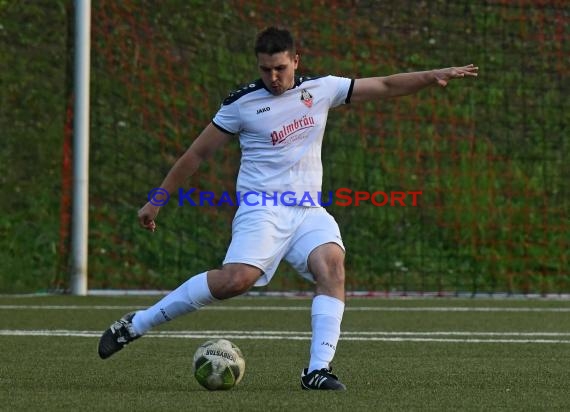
point(197, 292)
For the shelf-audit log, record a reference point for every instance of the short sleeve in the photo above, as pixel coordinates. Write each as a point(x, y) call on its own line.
point(340, 88)
point(228, 118)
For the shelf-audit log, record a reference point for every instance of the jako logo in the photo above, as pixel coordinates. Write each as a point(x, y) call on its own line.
point(263, 109)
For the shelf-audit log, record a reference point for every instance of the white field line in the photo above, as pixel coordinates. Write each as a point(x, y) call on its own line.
point(459, 337)
point(302, 308)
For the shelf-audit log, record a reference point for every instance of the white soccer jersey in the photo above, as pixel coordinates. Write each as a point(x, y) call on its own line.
point(281, 136)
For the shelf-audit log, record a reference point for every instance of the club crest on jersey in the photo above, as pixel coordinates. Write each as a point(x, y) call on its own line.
point(306, 98)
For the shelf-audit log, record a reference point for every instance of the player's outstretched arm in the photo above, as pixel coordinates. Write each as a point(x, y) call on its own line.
point(402, 84)
point(203, 147)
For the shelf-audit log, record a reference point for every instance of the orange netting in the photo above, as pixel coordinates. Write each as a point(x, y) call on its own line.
point(488, 155)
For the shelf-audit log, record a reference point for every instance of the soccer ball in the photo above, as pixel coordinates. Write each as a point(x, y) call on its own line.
point(218, 365)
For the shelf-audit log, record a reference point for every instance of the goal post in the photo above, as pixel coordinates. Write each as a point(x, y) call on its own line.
point(80, 218)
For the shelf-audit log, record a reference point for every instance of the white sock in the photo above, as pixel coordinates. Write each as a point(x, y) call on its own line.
point(326, 316)
point(188, 297)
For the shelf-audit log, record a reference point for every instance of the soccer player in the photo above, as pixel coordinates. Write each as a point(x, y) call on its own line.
point(280, 120)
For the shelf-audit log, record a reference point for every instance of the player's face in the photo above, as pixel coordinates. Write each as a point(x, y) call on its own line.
point(277, 71)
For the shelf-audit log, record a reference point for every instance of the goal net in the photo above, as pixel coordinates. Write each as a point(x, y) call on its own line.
point(488, 154)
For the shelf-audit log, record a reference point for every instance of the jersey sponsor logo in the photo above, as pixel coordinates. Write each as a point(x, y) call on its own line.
point(306, 98)
point(263, 110)
point(279, 136)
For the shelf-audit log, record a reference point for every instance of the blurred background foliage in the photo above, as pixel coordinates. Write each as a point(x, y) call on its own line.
point(490, 154)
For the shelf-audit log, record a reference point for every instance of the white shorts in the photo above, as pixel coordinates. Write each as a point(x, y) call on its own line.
point(262, 236)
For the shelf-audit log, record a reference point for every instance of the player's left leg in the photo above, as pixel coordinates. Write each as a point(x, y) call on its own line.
point(326, 263)
point(317, 253)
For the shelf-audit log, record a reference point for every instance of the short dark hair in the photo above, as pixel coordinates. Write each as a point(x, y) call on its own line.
point(274, 40)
